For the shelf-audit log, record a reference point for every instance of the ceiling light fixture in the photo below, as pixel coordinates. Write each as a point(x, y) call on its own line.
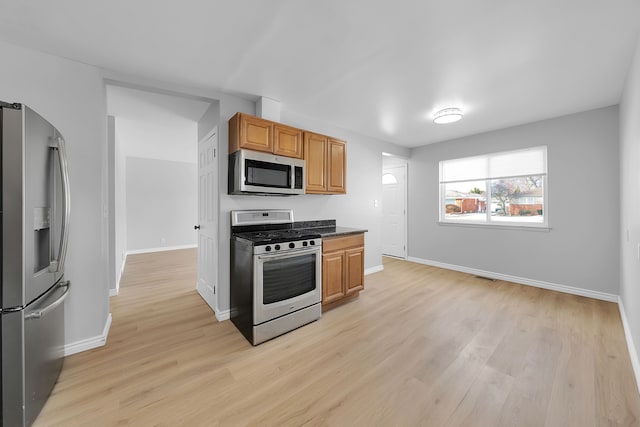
point(448, 115)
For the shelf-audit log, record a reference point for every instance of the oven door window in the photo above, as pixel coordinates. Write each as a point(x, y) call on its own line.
point(265, 174)
point(288, 277)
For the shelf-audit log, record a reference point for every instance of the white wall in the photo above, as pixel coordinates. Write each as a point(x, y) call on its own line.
point(175, 140)
point(393, 161)
point(154, 124)
point(161, 203)
point(630, 199)
point(112, 278)
point(209, 120)
point(581, 249)
point(120, 207)
point(228, 106)
point(355, 209)
point(72, 97)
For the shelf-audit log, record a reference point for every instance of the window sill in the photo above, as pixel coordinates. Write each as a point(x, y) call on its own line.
point(517, 227)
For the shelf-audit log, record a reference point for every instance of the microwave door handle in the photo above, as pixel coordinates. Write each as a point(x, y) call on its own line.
point(58, 145)
point(292, 176)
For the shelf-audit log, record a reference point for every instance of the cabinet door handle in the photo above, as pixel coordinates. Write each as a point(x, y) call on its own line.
point(196, 227)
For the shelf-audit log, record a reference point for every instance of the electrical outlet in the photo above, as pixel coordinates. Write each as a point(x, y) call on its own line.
point(376, 203)
point(163, 241)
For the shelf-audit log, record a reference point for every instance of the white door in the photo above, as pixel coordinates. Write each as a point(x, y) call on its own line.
point(394, 217)
point(208, 218)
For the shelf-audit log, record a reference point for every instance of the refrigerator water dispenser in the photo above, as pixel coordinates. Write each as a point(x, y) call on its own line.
point(42, 243)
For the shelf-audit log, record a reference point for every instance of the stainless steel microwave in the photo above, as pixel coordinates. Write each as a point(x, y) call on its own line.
point(254, 172)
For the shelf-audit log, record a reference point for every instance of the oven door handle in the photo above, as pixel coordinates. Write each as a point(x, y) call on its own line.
point(316, 249)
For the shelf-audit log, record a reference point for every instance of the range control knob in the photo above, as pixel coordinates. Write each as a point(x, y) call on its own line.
point(304, 243)
point(268, 249)
point(312, 242)
point(292, 245)
point(277, 247)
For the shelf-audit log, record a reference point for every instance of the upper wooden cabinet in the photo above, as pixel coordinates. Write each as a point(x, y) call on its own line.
point(326, 161)
point(325, 157)
point(287, 141)
point(315, 156)
point(253, 133)
point(337, 166)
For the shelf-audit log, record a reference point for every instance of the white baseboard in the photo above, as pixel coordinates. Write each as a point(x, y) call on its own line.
point(114, 292)
point(160, 249)
point(222, 315)
point(372, 270)
point(521, 280)
point(89, 343)
point(633, 354)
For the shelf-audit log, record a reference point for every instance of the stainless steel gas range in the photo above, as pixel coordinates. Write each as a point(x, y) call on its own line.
point(276, 274)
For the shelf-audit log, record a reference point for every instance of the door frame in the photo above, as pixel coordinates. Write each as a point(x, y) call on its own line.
point(405, 207)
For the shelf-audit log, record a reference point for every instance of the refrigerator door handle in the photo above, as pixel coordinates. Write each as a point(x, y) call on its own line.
point(58, 145)
point(43, 312)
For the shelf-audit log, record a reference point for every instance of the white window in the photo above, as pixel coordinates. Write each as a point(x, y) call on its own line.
point(507, 189)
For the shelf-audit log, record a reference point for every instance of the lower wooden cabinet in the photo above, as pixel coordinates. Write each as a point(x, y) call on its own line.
point(333, 277)
point(354, 269)
point(342, 268)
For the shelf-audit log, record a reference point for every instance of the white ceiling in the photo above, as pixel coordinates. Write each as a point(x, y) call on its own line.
point(378, 67)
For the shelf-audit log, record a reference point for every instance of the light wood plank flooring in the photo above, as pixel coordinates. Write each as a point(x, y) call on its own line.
point(420, 346)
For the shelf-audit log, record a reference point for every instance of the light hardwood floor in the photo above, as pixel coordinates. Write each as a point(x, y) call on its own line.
point(420, 346)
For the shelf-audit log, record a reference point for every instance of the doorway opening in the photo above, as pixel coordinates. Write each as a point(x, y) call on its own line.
point(394, 206)
point(153, 175)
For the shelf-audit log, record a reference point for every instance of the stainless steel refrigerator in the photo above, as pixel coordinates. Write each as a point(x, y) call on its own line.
point(34, 231)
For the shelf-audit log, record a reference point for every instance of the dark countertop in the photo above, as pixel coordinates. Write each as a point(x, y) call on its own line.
point(338, 231)
point(327, 228)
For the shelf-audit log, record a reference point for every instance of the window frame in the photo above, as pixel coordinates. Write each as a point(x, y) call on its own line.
point(488, 222)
